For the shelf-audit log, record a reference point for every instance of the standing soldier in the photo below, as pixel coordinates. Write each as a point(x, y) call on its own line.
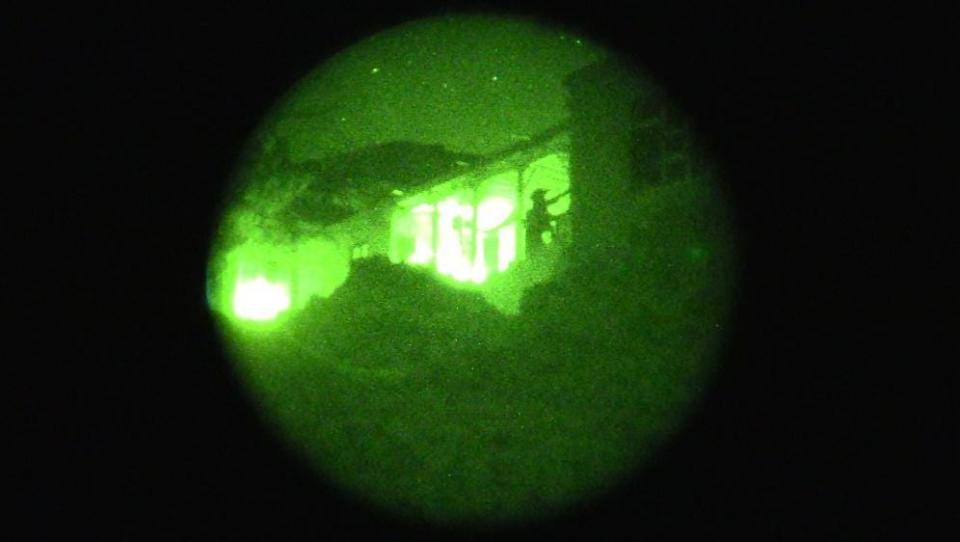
point(539, 220)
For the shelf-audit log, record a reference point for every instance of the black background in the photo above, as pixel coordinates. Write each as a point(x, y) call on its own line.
point(139, 431)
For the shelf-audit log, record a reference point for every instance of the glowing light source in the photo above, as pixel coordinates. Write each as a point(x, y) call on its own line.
point(259, 299)
point(454, 234)
point(462, 240)
point(492, 212)
point(438, 172)
point(423, 235)
point(506, 246)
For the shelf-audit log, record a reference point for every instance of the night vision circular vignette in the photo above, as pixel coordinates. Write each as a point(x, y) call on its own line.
point(475, 269)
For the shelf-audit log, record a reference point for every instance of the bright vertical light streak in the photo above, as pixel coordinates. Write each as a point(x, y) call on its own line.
point(423, 234)
point(451, 259)
point(491, 213)
point(506, 246)
point(480, 272)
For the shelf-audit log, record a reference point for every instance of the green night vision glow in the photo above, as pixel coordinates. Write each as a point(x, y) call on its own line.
point(258, 299)
point(474, 268)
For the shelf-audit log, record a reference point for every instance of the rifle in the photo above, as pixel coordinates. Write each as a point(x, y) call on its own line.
point(555, 198)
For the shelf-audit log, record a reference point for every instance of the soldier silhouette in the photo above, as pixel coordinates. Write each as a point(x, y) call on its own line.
point(539, 220)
